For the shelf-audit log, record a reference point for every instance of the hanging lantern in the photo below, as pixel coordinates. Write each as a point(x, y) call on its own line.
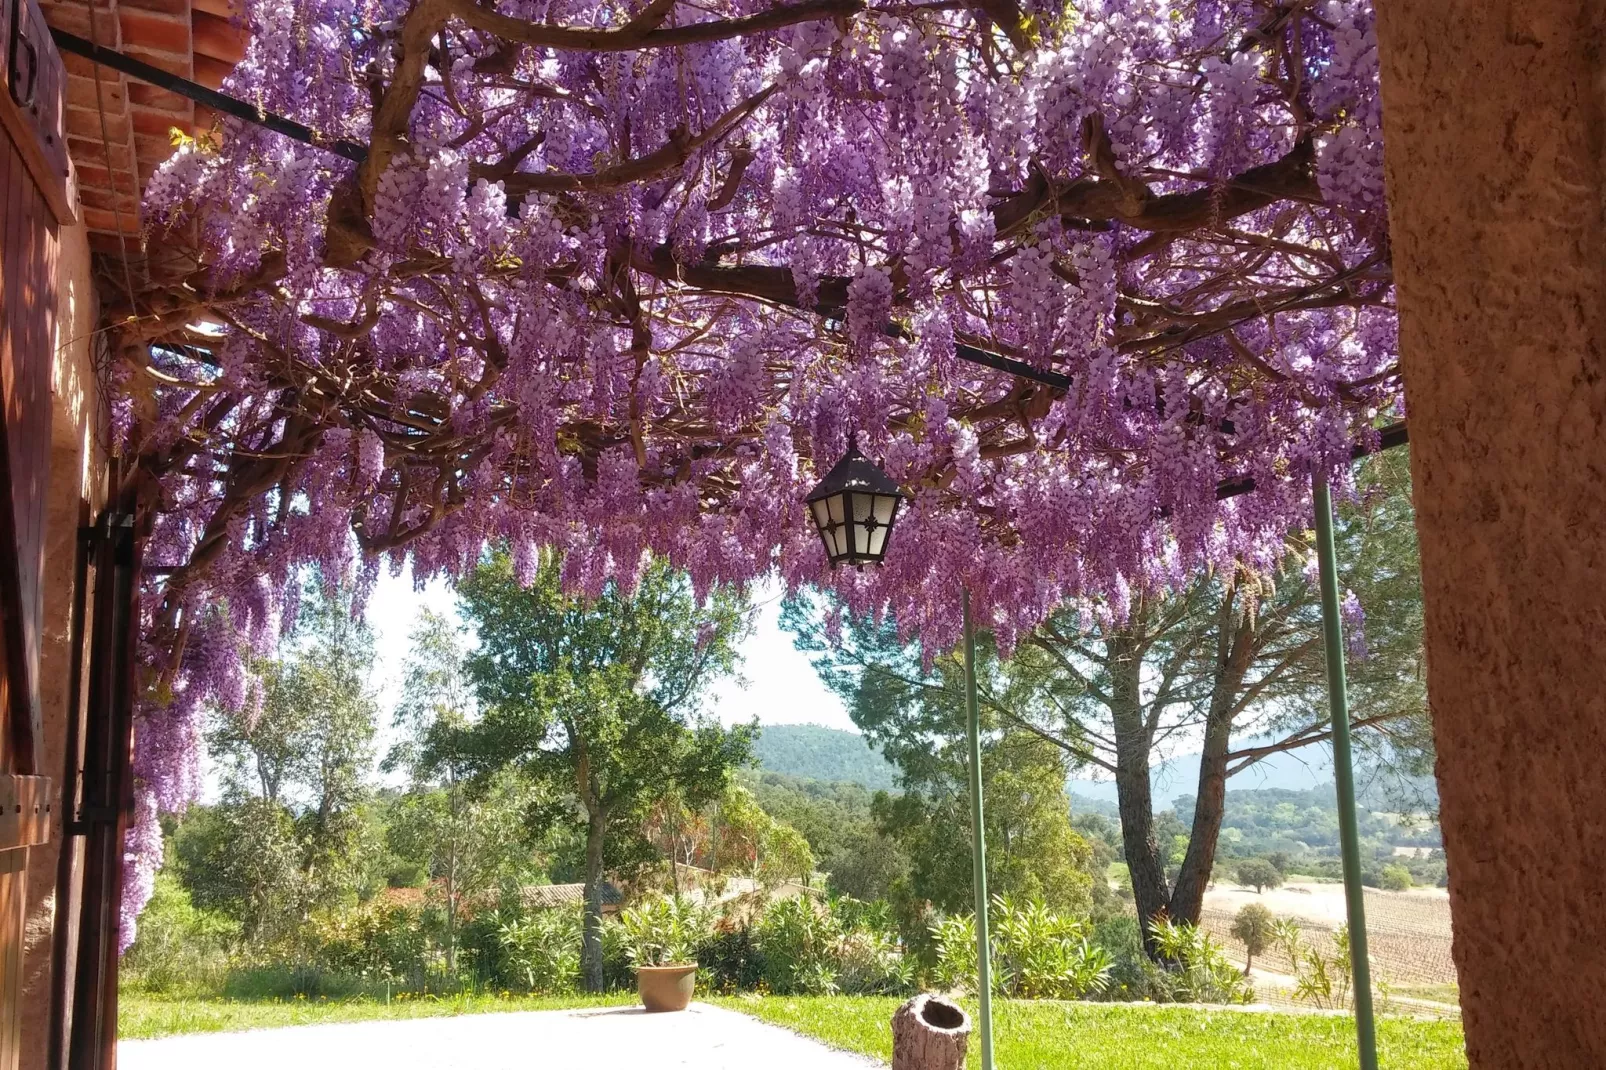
point(853, 509)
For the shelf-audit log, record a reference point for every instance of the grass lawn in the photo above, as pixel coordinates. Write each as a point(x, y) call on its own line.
point(140, 1015)
point(1040, 1036)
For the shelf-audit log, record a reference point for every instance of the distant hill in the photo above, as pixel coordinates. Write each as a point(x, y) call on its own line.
point(820, 753)
point(1297, 770)
point(1084, 804)
point(1293, 771)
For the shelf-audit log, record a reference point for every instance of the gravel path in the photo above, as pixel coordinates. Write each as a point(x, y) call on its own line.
point(709, 1038)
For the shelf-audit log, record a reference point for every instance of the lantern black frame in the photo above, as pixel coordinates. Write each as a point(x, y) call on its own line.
point(853, 487)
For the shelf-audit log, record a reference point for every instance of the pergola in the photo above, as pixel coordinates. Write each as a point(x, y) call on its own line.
point(1512, 587)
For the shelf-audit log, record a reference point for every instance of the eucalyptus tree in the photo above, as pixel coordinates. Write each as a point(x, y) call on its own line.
point(597, 700)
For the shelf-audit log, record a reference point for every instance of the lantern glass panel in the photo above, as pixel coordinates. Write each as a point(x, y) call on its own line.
point(878, 540)
point(862, 505)
point(834, 503)
point(822, 515)
point(885, 506)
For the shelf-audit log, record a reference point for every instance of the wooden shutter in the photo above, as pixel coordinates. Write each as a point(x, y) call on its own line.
point(33, 203)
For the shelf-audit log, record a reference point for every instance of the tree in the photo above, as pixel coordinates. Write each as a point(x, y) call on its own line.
point(1255, 927)
point(858, 859)
point(299, 748)
point(1259, 874)
point(678, 831)
point(241, 859)
point(746, 839)
point(595, 700)
point(787, 855)
point(1225, 657)
point(470, 837)
point(1033, 852)
point(1395, 878)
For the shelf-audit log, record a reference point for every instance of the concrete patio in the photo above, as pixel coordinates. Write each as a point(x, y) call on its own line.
point(705, 1037)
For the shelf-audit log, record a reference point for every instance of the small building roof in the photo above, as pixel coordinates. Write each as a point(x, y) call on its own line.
point(545, 896)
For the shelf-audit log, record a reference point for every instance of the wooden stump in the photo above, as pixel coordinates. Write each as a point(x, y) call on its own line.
point(929, 1033)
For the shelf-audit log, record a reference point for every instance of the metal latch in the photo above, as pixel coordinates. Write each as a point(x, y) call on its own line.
point(22, 91)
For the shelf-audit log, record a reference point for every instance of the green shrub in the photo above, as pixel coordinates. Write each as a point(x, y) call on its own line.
point(955, 938)
point(799, 938)
point(870, 963)
point(1196, 967)
point(1133, 975)
point(542, 950)
point(729, 960)
point(383, 943)
point(857, 914)
point(1038, 954)
point(179, 947)
point(1259, 874)
point(913, 921)
point(618, 972)
point(1395, 879)
point(664, 932)
point(1323, 980)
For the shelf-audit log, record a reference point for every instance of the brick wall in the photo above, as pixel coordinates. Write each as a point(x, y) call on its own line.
point(118, 135)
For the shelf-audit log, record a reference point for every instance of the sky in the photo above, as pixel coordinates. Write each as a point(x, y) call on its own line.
point(776, 684)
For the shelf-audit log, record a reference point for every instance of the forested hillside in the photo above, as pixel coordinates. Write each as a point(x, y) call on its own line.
point(818, 753)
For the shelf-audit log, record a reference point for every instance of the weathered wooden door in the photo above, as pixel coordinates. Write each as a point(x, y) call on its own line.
point(33, 203)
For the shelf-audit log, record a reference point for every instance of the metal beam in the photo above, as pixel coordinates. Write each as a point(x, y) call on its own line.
point(1344, 776)
point(222, 102)
point(1388, 438)
point(978, 849)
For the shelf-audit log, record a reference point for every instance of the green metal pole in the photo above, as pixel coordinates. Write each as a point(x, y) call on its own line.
point(1344, 777)
point(978, 850)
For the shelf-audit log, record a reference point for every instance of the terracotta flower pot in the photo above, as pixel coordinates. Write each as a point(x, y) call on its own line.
point(666, 988)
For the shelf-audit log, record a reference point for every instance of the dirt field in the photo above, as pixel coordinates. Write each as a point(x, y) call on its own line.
point(1408, 934)
point(1323, 904)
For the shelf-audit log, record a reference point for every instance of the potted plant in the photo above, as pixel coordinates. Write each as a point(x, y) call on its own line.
point(661, 939)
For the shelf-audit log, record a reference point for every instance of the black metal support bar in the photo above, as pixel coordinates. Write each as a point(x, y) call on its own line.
point(105, 786)
point(1388, 438)
point(1010, 366)
point(64, 940)
point(109, 57)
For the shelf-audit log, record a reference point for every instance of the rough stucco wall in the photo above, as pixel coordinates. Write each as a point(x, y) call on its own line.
point(1493, 124)
point(77, 473)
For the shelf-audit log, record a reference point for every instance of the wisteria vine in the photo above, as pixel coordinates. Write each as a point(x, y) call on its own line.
point(619, 277)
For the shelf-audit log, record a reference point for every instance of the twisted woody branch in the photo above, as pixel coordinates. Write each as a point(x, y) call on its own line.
point(669, 301)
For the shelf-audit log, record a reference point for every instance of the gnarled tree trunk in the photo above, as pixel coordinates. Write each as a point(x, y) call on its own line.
point(1235, 651)
point(591, 936)
point(1134, 793)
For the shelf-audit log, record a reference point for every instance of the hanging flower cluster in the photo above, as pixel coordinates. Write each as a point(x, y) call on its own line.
point(619, 277)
